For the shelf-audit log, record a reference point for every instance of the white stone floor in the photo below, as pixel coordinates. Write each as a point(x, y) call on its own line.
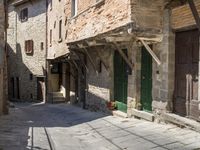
point(66, 127)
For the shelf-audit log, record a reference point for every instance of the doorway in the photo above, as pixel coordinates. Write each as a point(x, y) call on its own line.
point(120, 81)
point(40, 88)
point(146, 80)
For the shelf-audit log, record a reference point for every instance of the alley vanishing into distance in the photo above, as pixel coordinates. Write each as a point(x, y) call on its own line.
point(66, 127)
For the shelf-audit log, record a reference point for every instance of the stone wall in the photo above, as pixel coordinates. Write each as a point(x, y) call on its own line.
point(147, 14)
point(100, 81)
point(22, 65)
point(3, 67)
point(163, 75)
point(58, 46)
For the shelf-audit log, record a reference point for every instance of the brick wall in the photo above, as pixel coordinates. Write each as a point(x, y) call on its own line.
point(95, 19)
point(182, 16)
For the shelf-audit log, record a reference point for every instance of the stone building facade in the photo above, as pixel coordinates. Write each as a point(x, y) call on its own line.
point(58, 81)
point(3, 62)
point(125, 59)
point(108, 39)
point(27, 40)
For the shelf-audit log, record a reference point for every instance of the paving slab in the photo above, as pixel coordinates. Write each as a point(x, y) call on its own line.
point(67, 127)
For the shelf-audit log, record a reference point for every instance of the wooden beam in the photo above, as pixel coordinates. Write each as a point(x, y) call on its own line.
point(151, 52)
point(119, 39)
point(91, 61)
point(155, 39)
point(195, 13)
point(124, 56)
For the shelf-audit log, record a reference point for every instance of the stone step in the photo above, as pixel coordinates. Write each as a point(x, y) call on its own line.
point(119, 114)
point(143, 115)
point(57, 94)
point(181, 121)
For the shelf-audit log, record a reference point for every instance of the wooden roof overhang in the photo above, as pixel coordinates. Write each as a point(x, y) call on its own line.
point(126, 34)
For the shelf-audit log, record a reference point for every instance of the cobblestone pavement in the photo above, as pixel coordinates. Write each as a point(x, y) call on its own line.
point(66, 127)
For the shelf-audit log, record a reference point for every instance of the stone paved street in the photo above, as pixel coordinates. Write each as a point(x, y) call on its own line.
point(66, 127)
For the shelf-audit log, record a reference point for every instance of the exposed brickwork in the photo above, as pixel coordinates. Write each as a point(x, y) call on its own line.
point(182, 16)
point(95, 19)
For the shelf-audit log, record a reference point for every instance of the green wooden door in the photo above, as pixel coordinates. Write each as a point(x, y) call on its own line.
point(120, 81)
point(146, 81)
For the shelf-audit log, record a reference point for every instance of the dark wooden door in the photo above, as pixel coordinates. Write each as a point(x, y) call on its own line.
point(186, 74)
point(120, 81)
point(40, 88)
point(146, 81)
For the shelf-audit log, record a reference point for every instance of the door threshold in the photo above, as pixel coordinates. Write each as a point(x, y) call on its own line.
point(143, 115)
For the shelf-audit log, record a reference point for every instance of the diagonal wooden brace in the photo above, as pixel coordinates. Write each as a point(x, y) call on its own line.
point(195, 13)
point(124, 56)
point(91, 61)
point(151, 52)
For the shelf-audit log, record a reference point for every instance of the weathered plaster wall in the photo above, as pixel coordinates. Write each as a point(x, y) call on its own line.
point(58, 47)
point(20, 64)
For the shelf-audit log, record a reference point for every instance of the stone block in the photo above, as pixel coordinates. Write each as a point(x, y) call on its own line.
point(143, 115)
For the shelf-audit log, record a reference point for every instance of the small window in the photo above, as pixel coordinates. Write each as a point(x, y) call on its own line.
point(29, 46)
point(31, 77)
point(24, 14)
point(50, 38)
point(99, 66)
point(74, 7)
point(42, 46)
point(60, 30)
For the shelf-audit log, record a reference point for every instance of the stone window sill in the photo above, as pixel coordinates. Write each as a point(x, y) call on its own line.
point(60, 40)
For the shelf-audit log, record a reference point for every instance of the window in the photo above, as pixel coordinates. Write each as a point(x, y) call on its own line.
point(74, 7)
point(42, 46)
point(60, 30)
point(50, 38)
point(24, 14)
point(29, 46)
point(31, 77)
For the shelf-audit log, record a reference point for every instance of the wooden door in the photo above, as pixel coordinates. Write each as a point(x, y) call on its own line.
point(40, 88)
point(146, 81)
point(120, 81)
point(186, 74)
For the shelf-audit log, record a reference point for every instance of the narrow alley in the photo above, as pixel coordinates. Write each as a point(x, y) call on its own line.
point(66, 127)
